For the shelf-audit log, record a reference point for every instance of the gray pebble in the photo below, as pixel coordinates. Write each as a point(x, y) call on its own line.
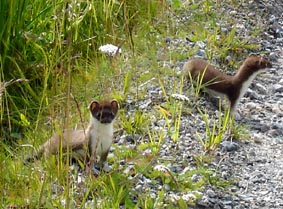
point(261, 88)
point(229, 146)
point(278, 88)
point(211, 193)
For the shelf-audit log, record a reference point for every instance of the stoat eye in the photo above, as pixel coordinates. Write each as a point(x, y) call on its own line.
point(98, 115)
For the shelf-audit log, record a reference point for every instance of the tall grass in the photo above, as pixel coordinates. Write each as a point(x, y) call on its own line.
point(51, 43)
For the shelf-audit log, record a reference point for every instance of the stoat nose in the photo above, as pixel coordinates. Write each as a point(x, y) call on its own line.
point(106, 120)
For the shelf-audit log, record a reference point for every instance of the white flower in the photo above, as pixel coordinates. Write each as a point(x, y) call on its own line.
point(110, 49)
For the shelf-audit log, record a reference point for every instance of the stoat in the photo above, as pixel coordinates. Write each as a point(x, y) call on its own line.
point(87, 144)
point(233, 87)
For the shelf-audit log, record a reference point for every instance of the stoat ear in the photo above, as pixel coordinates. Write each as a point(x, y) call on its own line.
point(252, 55)
point(265, 63)
point(115, 106)
point(258, 62)
point(94, 106)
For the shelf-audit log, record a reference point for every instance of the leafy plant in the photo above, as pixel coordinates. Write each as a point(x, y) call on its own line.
point(196, 84)
point(173, 112)
point(238, 131)
point(230, 42)
point(215, 132)
point(134, 123)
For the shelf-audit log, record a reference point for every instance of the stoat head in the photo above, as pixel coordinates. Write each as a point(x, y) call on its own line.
point(257, 63)
point(104, 111)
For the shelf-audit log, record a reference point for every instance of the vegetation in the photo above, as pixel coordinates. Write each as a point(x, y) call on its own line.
point(51, 68)
point(214, 134)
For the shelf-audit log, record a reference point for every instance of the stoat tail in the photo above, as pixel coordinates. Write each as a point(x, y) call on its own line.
point(45, 149)
point(34, 156)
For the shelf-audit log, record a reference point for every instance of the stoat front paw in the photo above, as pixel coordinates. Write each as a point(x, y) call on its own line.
point(96, 168)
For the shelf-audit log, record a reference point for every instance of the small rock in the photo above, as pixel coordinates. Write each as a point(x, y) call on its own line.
point(278, 109)
point(200, 44)
point(278, 88)
point(277, 126)
point(233, 12)
point(265, 192)
point(166, 187)
point(251, 14)
point(106, 168)
point(252, 94)
point(132, 138)
point(261, 89)
point(272, 57)
point(252, 153)
point(145, 104)
point(176, 168)
point(229, 146)
point(234, 189)
point(274, 132)
point(211, 193)
point(203, 203)
point(246, 197)
point(251, 105)
point(168, 40)
point(200, 53)
point(265, 127)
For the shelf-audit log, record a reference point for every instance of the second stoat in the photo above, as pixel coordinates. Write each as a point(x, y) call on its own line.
point(233, 87)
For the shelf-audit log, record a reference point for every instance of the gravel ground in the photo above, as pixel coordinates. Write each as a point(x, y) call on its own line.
point(256, 165)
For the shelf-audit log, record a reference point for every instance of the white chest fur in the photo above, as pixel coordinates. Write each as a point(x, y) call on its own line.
point(243, 90)
point(101, 136)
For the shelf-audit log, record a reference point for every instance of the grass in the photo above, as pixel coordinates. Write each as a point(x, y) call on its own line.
point(215, 130)
point(52, 47)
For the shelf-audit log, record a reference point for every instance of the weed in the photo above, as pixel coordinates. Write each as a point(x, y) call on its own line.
point(173, 112)
point(197, 84)
point(238, 131)
point(214, 134)
point(135, 123)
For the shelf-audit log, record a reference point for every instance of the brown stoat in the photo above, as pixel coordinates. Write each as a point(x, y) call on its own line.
point(87, 144)
point(233, 87)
